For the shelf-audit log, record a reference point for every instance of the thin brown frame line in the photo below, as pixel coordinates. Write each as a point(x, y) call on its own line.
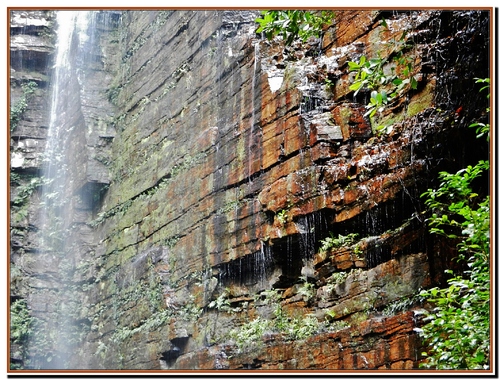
point(222, 372)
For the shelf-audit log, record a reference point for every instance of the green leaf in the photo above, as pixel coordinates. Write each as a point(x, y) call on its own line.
point(413, 83)
point(355, 86)
point(383, 95)
point(397, 81)
point(353, 65)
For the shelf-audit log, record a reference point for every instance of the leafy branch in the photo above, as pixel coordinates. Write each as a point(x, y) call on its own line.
point(293, 24)
point(458, 328)
point(483, 129)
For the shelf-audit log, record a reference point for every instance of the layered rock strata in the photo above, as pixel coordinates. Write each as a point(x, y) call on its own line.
point(219, 165)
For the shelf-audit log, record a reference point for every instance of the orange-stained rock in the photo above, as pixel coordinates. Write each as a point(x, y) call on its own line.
point(353, 124)
point(351, 24)
point(329, 352)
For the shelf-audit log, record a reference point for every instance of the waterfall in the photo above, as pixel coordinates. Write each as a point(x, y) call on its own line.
point(262, 264)
point(55, 169)
point(58, 201)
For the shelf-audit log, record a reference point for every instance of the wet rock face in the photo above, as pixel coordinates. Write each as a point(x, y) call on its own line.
point(30, 50)
point(237, 166)
point(30, 43)
point(380, 343)
point(31, 47)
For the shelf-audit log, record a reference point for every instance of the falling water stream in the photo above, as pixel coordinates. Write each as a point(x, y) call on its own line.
point(55, 170)
point(59, 187)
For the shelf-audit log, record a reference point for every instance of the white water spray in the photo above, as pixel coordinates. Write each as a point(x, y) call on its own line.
point(56, 217)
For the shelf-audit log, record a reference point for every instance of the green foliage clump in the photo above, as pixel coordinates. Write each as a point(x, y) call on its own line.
point(401, 304)
point(385, 86)
point(25, 328)
point(337, 278)
point(21, 322)
point(250, 334)
point(303, 327)
point(458, 328)
point(306, 289)
point(20, 203)
point(293, 24)
point(370, 74)
point(21, 327)
point(222, 303)
point(483, 129)
point(457, 213)
point(336, 242)
point(18, 109)
point(282, 216)
point(25, 191)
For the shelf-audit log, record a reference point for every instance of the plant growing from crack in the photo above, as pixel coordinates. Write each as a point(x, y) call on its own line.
point(19, 108)
point(250, 334)
point(332, 241)
point(26, 328)
point(282, 216)
point(306, 289)
point(370, 74)
point(401, 304)
point(221, 303)
point(385, 87)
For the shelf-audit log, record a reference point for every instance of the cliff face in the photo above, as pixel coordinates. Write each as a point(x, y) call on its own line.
point(218, 181)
